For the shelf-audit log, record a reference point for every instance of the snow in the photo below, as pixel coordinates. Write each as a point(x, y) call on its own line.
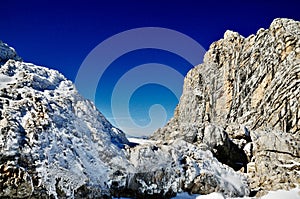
point(70, 143)
point(195, 165)
point(280, 194)
point(211, 196)
point(185, 195)
point(64, 136)
point(140, 140)
point(5, 80)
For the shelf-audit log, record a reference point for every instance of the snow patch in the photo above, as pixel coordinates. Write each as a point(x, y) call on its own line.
point(141, 141)
point(280, 194)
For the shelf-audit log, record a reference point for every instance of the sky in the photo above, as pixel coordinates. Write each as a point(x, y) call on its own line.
point(70, 36)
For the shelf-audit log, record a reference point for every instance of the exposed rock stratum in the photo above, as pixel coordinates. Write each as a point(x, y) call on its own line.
point(243, 103)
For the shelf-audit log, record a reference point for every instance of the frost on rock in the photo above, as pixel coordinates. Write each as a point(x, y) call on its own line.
point(166, 169)
point(52, 141)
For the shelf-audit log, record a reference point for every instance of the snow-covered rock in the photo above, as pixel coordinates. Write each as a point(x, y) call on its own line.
point(240, 107)
point(7, 52)
point(178, 166)
point(52, 141)
point(55, 143)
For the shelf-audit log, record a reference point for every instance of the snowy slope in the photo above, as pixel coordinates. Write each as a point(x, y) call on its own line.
point(49, 130)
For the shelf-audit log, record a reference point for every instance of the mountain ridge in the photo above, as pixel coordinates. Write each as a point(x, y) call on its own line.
point(56, 144)
point(235, 130)
point(246, 94)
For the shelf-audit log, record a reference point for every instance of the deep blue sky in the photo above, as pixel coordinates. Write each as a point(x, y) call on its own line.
point(60, 34)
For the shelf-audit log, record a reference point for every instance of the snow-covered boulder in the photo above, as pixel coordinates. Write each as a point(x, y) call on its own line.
point(164, 169)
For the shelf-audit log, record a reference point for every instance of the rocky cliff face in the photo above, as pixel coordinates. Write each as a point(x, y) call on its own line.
point(56, 144)
point(243, 103)
point(240, 107)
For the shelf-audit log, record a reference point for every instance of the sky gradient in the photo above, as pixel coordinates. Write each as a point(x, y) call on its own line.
point(60, 35)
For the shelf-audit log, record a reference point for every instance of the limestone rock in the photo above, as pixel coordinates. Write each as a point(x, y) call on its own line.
point(276, 159)
point(250, 88)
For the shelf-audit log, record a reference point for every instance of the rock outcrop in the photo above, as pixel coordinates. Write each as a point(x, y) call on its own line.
point(56, 144)
point(243, 103)
point(164, 169)
point(53, 142)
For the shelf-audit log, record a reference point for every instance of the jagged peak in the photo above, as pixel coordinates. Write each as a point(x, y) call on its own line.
point(281, 25)
point(281, 37)
point(229, 34)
